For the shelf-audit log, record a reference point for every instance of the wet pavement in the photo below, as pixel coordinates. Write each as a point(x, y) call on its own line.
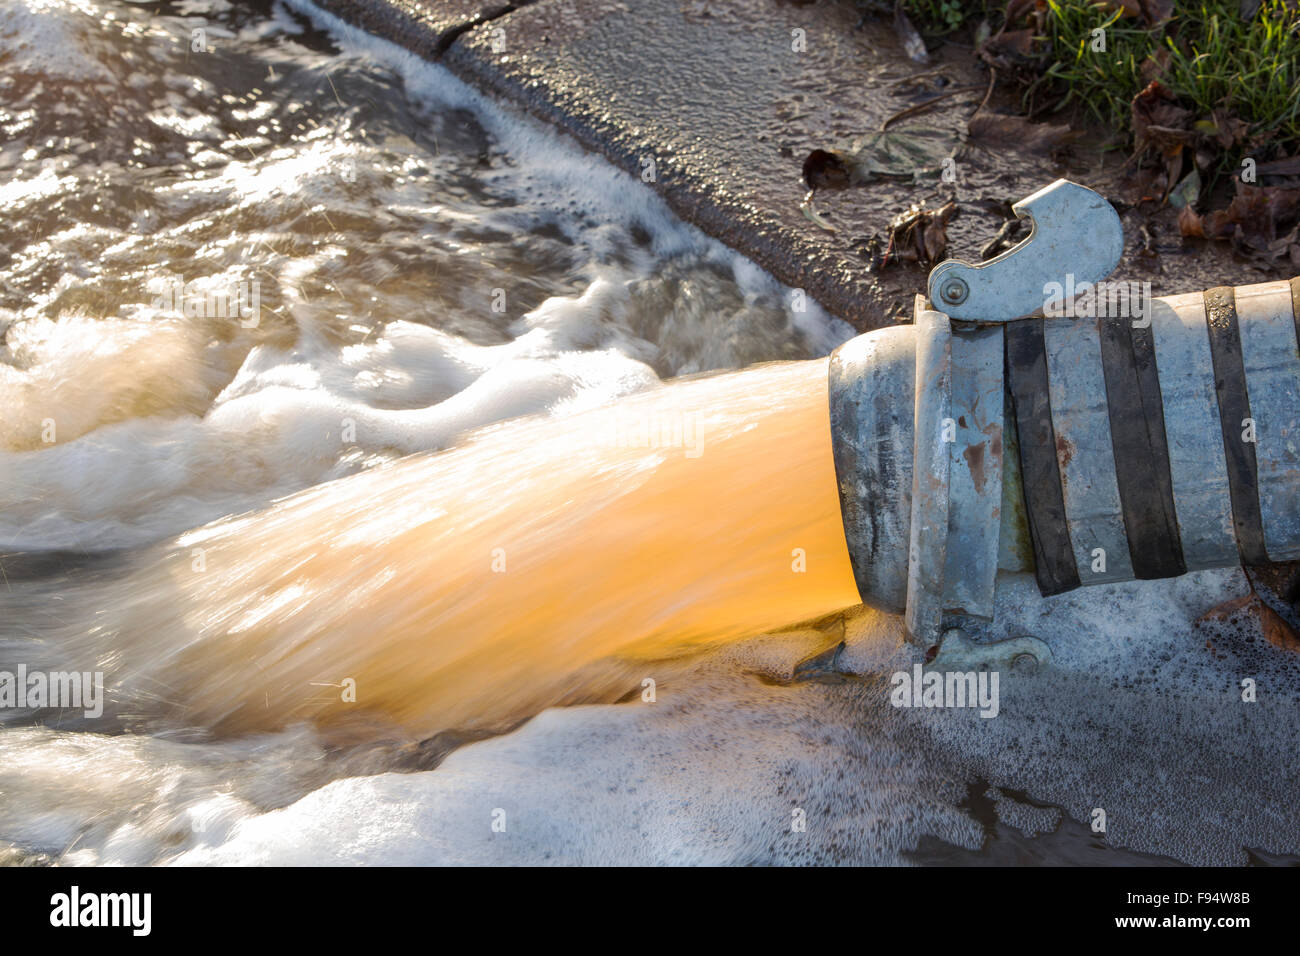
point(717, 105)
point(425, 27)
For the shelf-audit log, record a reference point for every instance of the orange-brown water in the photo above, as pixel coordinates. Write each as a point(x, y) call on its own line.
point(544, 561)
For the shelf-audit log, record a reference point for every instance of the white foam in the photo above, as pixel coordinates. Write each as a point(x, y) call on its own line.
point(195, 450)
point(578, 187)
point(53, 38)
point(293, 418)
point(1180, 764)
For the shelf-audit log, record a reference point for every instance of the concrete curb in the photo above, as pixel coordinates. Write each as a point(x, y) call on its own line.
point(423, 27)
point(715, 105)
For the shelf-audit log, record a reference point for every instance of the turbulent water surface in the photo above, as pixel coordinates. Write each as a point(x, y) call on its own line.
point(244, 252)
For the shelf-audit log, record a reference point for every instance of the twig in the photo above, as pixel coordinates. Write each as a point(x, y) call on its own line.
point(993, 78)
point(919, 107)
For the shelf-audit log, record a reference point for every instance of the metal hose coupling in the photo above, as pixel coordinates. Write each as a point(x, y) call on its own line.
point(1066, 425)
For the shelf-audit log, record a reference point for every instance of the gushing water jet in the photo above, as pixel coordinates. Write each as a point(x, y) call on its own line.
point(562, 560)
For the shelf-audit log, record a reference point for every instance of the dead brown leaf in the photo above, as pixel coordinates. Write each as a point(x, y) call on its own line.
point(827, 169)
point(1156, 12)
point(1257, 211)
point(1018, 8)
point(1161, 126)
point(1158, 120)
point(1150, 12)
point(1011, 43)
point(1190, 223)
point(1271, 624)
point(919, 234)
point(1154, 66)
point(1287, 166)
point(1003, 131)
point(1276, 630)
point(1145, 184)
point(1261, 222)
point(1131, 8)
point(1229, 130)
point(1226, 610)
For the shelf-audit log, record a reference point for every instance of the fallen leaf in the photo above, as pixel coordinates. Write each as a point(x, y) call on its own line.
point(1018, 8)
point(934, 239)
point(1158, 120)
point(1272, 625)
point(919, 234)
point(1150, 12)
point(901, 152)
point(1276, 630)
point(1190, 224)
point(827, 169)
point(1017, 44)
point(1003, 131)
point(1145, 184)
point(1154, 66)
point(1160, 125)
point(813, 216)
point(1156, 12)
point(1229, 130)
point(1257, 211)
point(1224, 611)
point(1287, 166)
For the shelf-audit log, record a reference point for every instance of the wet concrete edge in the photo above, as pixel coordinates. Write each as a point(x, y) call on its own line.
point(798, 257)
point(717, 159)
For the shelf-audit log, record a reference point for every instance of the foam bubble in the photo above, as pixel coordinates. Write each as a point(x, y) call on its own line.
point(53, 38)
point(1135, 717)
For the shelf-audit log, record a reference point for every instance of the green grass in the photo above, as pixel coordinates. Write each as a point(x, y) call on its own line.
point(1102, 84)
point(1216, 60)
point(1252, 68)
point(939, 17)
